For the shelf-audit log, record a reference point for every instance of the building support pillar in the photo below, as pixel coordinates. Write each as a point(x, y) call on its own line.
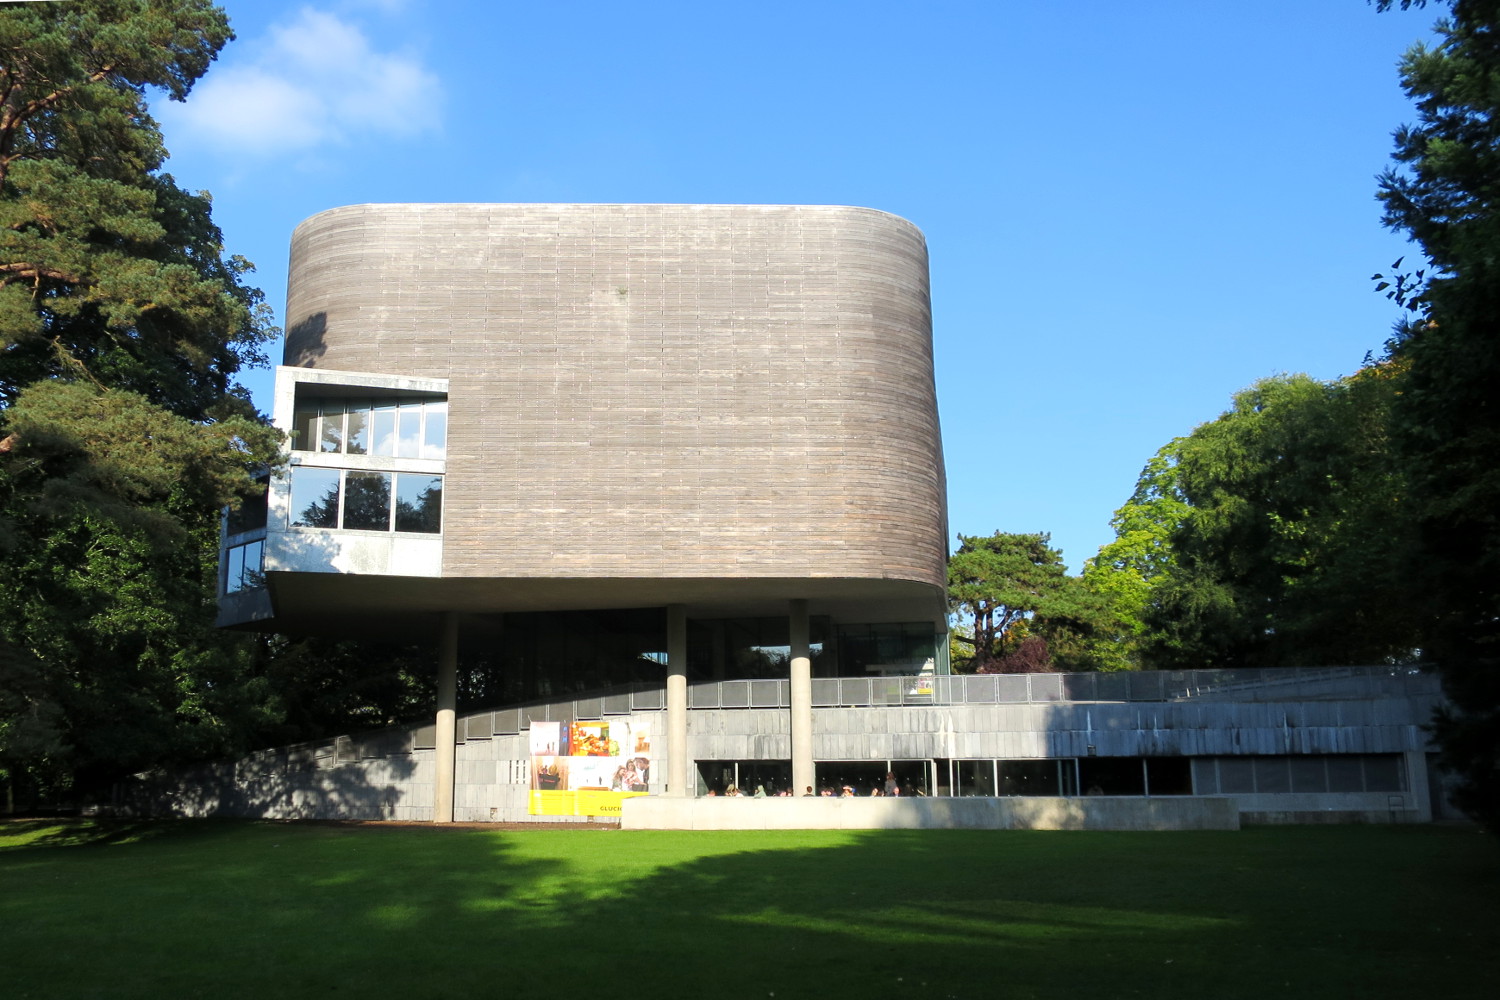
point(802, 726)
point(447, 713)
point(677, 707)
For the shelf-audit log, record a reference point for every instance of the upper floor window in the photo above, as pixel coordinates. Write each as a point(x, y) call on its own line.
point(396, 428)
point(366, 501)
point(242, 567)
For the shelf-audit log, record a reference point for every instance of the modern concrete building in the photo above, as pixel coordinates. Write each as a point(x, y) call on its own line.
point(670, 477)
point(716, 425)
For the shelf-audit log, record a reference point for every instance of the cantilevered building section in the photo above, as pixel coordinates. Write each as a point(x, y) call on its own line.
point(701, 416)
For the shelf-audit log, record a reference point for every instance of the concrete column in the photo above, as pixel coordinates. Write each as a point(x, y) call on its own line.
point(447, 712)
point(802, 727)
point(677, 708)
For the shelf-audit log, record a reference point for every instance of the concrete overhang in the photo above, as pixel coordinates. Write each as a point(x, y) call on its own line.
point(387, 606)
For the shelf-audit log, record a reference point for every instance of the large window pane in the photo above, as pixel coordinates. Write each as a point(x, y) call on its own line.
point(235, 572)
point(357, 429)
point(419, 503)
point(367, 501)
point(305, 428)
point(973, 777)
point(1205, 776)
point(1236, 776)
point(1271, 775)
point(250, 515)
point(409, 431)
point(1383, 773)
point(1345, 774)
point(255, 575)
point(383, 429)
point(435, 431)
point(332, 437)
point(315, 498)
point(1029, 777)
point(1308, 775)
point(1167, 775)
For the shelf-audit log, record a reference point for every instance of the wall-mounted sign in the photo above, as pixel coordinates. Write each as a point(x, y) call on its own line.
point(588, 768)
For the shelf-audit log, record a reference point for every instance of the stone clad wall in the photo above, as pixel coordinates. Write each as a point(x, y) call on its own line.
point(388, 775)
point(651, 390)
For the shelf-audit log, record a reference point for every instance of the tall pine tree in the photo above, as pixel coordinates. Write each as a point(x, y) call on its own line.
point(122, 429)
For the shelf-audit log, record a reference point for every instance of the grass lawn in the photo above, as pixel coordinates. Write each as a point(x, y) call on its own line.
point(210, 909)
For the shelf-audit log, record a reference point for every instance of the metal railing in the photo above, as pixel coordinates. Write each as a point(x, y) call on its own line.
point(1270, 684)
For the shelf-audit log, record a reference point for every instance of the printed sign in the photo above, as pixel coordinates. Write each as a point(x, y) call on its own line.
point(588, 768)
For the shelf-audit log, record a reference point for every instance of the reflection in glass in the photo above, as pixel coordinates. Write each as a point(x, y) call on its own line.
point(419, 503)
point(305, 428)
point(356, 430)
point(332, 438)
point(383, 429)
point(315, 498)
point(435, 433)
point(367, 501)
point(250, 515)
point(413, 429)
point(234, 576)
point(409, 443)
point(255, 575)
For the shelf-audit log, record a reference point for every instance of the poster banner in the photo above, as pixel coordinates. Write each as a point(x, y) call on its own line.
point(588, 768)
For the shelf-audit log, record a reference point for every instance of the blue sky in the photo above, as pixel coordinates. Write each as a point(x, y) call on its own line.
point(1133, 209)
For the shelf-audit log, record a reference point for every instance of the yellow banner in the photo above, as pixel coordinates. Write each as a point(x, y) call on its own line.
point(585, 802)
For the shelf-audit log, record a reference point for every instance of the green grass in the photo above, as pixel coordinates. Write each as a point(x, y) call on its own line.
point(281, 910)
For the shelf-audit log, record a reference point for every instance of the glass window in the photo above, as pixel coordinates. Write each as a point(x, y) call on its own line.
point(357, 429)
point(305, 428)
point(250, 515)
point(1307, 775)
point(1205, 776)
point(1168, 776)
point(1271, 775)
point(435, 433)
point(242, 569)
point(255, 575)
point(973, 777)
point(419, 503)
point(409, 431)
point(332, 437)
point(1029, 777)
point(1344, 774)
point(1236, 776)
point(383, 429)
point(1383, 774)
point(235, 572)
point(315, 498)
point(367, 501)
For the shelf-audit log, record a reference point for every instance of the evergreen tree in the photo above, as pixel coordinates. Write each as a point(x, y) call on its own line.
point(122, 430)
point(1443, 193)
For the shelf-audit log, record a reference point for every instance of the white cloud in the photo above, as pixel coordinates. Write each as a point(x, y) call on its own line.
point(317, 80)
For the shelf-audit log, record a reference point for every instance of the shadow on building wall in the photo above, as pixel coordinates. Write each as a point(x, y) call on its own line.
point(305, 343)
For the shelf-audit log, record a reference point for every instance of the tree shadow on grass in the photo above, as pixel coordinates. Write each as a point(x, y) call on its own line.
point(19, 834)
point(293, 910)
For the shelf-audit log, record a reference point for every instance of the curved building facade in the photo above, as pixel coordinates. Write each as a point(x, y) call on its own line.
point(723, 412)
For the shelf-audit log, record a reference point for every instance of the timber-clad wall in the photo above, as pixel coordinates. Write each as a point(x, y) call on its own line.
point(651, 390)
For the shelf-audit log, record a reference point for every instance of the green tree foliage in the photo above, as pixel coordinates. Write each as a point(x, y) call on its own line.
point(1126, 570)
point(122, 430)
point(1010, 593)
point(1443, 193)
point(1274, 535)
